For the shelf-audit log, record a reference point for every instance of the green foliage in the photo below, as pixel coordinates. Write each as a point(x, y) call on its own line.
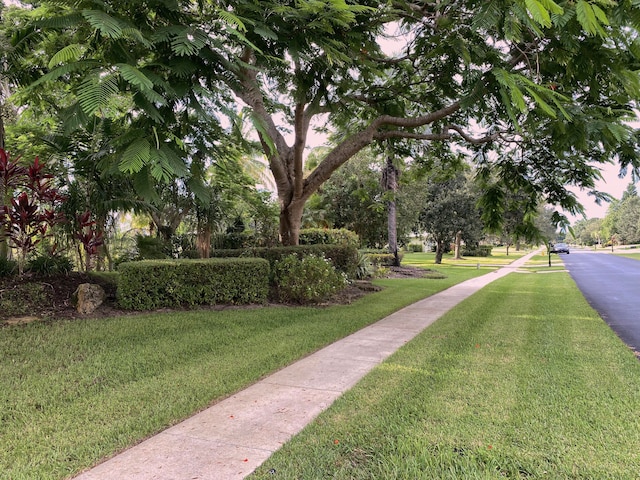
point(152, 248)
point(383, 259)
point(234, 240)
point(344, 258)
point(476, 250)
point(8, 267)
point(151, 284)
point(415, 247)
point(328, 236)
point(310, 279)
point(364, 268)
point(50, 264)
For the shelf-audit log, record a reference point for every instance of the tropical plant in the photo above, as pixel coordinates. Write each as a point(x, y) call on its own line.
point(89, 236)
point(306, 280)
point(29, 214)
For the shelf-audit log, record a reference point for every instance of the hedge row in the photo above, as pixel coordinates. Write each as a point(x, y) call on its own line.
point(344, 258)
point(383, 259)
point(151, 284)
point(477, 250)
point(307, 236)
point(328, 236)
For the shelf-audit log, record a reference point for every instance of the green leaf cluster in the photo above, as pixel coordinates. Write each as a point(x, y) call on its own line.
point(152, 284)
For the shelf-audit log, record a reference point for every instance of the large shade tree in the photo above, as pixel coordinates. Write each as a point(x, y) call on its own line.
point(556, 79)
point(450, 215)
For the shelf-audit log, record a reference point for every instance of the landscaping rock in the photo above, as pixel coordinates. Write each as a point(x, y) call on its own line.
point(88, 297)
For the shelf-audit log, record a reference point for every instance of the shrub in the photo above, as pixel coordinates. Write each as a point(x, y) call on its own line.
point(383, 259)
point(477, 250)
point(364, 269)
point(50, 265)
point(328, 236)
point(152, 248)
point(233, 240)
point(307, 280)
point(151, 284)
point(415, 247)
point(344, 258)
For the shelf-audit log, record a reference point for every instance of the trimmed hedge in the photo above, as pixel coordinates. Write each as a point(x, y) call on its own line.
point(477, 251)
point(380, 257)
point(415, 248)
point(383, 259)
point(151, 284)
point(328, 236)
point(343, 257)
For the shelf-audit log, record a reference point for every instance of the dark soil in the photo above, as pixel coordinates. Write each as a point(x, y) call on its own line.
point(44, 297)
point(34, 297)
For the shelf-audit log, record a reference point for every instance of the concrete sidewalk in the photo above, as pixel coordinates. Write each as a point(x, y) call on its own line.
point(233, 437)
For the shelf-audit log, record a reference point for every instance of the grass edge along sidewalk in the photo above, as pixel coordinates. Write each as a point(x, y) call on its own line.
point(522, 380)
point(234, 436)
point(75, 391)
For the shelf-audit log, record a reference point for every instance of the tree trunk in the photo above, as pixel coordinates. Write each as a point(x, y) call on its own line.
point(203, 240)
point(458, 256)
point(290, 222)
point(508, 248)
point(439, 251)
point(390, 184)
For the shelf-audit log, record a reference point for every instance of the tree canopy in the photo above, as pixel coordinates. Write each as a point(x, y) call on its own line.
point(539, 90)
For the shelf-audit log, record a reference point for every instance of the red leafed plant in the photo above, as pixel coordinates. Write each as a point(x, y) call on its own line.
point(90, 237)
point(28, 202)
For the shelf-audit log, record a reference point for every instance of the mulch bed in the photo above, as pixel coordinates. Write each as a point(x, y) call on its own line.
point(54, 299)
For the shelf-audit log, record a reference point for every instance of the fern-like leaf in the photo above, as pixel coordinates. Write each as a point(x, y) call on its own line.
point(63, 70)
point(107, 25)
point(231, 19)
point(546, 108)
point(149, 108)
point(136, 156)
point(70, 53)
point(60, 22)
point(134, 76)
point(188, 42)
point(538, 12)
point(588, 18)
point(95, 93)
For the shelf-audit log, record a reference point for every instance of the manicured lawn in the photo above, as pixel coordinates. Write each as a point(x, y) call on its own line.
point(635, 256)
point(498, 257)
point(522, 380)
point(73, 392)
point(540, 263)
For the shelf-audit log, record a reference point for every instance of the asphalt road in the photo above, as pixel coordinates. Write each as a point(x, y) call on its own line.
point(610, 283)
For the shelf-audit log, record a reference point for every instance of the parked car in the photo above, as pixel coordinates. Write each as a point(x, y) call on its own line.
point(560, 248)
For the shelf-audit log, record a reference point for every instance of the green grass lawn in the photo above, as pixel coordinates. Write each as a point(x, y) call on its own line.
point(635, 256)
point(522, 380)
point(73, 392)
point(498, 257)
